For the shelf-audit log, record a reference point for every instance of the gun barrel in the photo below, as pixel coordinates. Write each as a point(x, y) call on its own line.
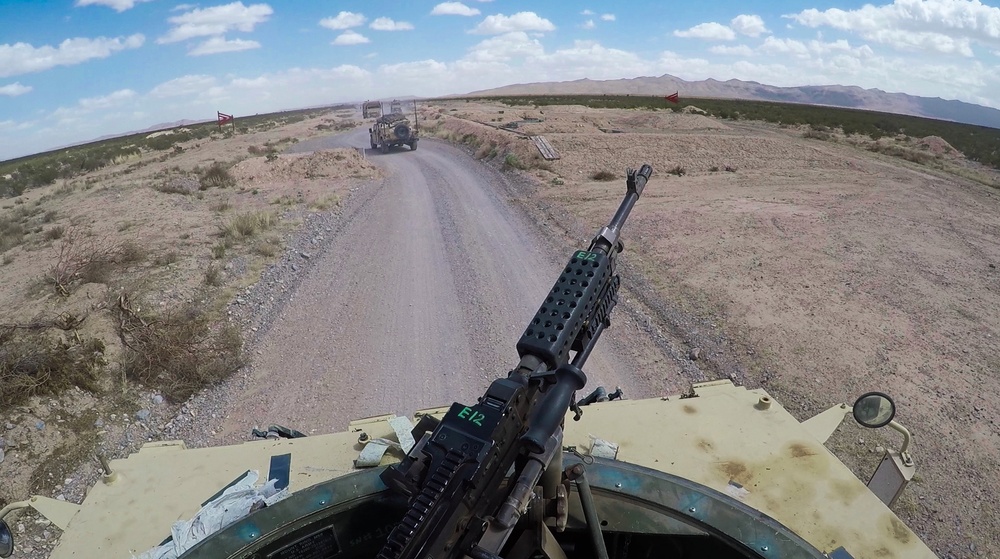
point(607, 238)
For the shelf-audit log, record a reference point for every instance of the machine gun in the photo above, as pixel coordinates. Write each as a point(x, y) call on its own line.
point(461, 499)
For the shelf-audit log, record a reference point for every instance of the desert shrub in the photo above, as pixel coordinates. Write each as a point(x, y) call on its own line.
point(54, 233)
point(248, 224)
point(817, 134)
point(178, 185)
point(268, 247)
point(603, 176)
point(713, 169)
point(177, 351)
point(83, 260)
point(213, 275)
point(39, 359)
point(49, 216)
point(677, 170)
point(221, 206)
point(219, 250)
point(216, 175)
point(511, 161)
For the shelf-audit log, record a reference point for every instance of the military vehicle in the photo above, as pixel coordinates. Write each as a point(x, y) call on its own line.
point(392, 130)
point(528, 470)
point(396, 106)
point(371, 109)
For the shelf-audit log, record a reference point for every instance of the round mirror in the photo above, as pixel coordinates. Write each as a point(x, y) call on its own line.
point(6, 540)
point(874, 410)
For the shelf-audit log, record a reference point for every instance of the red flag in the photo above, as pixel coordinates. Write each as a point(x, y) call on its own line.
point(673, 98)
point(223, 118)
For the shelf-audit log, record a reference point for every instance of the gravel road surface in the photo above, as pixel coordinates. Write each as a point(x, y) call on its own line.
point(417, 301)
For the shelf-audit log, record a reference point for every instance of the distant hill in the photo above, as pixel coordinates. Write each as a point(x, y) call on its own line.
point(153, 128)
point(832, 95)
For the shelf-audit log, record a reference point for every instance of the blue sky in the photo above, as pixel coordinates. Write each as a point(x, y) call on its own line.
point(75, 70)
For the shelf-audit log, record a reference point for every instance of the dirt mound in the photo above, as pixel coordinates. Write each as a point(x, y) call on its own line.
point(334, 164)
point(938, 146)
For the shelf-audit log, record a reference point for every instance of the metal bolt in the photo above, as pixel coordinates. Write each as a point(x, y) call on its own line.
point(618, 485)
point(692, 510)
point(763, 548)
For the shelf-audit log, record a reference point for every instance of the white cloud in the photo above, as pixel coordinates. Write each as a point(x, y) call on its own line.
point(588, 13)
point(117, 5)
point(942, 26)
point(350, 38)
point(589, 24)
point(751, 25)
point(454, 9)
point(216, 20)
point(608, 17)
point(387, 24)
point(14, 89)
point(344, 20)
point(711, 31)
point(775, 46)
point(738, 50)
point(521, 21)
point(504, 48)
point(216, 45)
point(22, 58)
point(107, 101)
point(184, 85)
point(183, 7)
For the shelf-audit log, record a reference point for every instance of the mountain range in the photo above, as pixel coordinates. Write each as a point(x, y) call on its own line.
point(830, 95)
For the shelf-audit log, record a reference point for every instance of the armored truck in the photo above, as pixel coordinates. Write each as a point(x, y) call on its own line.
point(392, 130)
point(371, 109)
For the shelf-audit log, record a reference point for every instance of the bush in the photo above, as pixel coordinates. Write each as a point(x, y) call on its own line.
point(177, 351)
point(512, 162)
point(217, 175)
point(36, 359)
point(603, 176)
point(54, 233)
point(89, 260)
point(248, 224)
point(677, 170)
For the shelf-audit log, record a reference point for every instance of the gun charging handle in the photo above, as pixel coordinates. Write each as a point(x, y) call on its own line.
point(552, 408)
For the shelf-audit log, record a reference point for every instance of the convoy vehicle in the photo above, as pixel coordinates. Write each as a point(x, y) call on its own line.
point(529, 470)
point(371, 109)
point(392, 130)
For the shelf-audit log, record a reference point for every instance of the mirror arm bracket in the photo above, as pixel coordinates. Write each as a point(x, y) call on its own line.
point(907, 438)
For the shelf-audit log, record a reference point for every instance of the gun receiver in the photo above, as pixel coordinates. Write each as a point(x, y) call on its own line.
point(456, 475)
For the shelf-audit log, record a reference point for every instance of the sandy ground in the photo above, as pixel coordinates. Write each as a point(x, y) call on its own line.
point(814, 269)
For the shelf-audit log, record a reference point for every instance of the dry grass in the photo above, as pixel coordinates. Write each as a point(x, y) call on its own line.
point(82, 259)
point(248, 224)
point(44, 358)
point(603, 176)
point(217, 175)
point(177, 351)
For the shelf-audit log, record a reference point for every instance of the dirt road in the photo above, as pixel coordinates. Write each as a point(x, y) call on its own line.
point(417, 302)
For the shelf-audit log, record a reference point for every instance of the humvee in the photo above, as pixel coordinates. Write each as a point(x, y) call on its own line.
point(392, 130)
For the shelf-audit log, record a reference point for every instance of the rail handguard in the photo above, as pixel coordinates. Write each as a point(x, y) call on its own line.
point(456, 475)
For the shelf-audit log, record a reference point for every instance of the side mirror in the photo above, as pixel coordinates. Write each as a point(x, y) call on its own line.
point(874, 410)
point(6, 540)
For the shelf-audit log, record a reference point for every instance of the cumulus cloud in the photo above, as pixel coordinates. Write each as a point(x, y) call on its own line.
point(588, 13)
point(184, 85)
point(608, 17)
point(343, 20)
point(589, 24)
point(216, 20)
point(738, 50)
point(22, 58)
point(350, 38)
point(454, 9)
point(387, 24)
point(750, 25)
point(216, 45)
point(117, 5)
point(942, 26)
point(711, 31)
point(777, 46)
point(14, 89)
point(107, 101)
point(521, 21)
